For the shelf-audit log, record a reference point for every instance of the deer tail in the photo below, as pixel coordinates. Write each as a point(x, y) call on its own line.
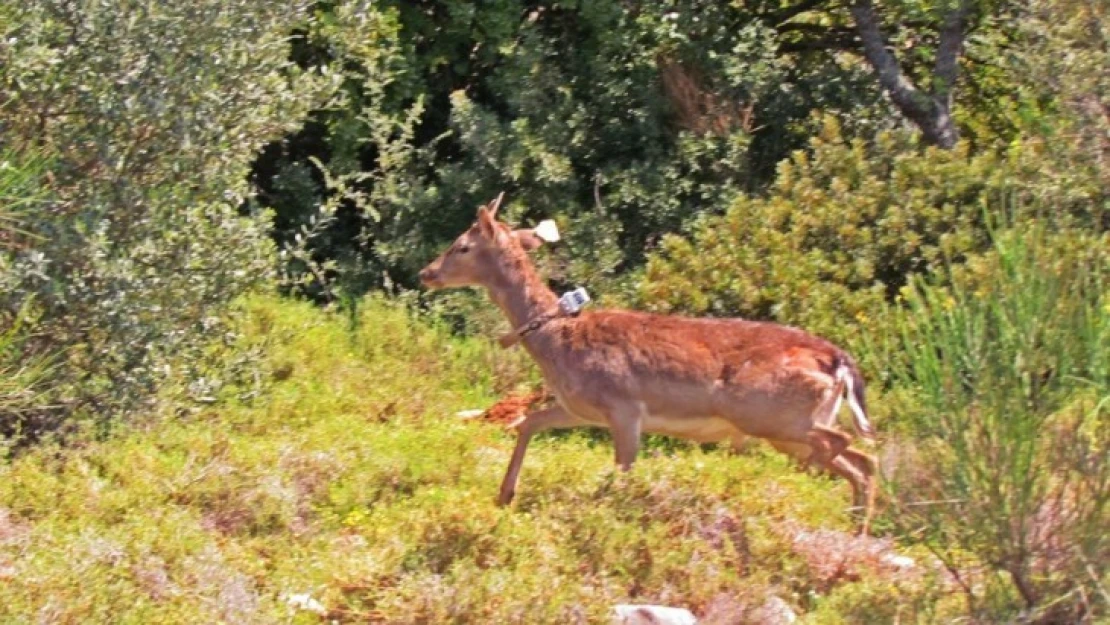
point(848, 372)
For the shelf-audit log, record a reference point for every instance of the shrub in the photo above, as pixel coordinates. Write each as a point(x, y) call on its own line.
point(21, 377)
point(845, 225)
point(1007, 361)
point(629, 119)
point(148, 115)
point(1060, 66)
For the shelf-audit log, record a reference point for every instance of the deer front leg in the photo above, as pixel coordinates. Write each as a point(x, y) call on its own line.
point(546, 419)
point(626, 423)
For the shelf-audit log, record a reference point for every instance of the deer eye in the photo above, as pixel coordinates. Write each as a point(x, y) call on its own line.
point(464, 249)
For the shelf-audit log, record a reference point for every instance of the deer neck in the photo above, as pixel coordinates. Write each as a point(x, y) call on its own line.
point(520, 293)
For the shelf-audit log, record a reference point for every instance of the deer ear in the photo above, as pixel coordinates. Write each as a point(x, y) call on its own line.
point(487, 225)
point(531, 238)
point(487, 216)
point(547, 230)
point(527, 239)
point(496, 204)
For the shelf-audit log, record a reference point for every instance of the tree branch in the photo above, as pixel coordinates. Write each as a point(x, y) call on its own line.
point(794, 11)
point(901, 90)
point(951, 42)
point(929, 114)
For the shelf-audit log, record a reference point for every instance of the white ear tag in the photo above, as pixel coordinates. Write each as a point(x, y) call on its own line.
point(547, 230)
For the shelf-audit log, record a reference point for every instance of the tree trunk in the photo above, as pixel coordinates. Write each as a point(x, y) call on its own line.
point(931, 111)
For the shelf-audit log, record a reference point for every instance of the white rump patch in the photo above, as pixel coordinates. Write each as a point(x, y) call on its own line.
point(836, 406)
point(862, 424)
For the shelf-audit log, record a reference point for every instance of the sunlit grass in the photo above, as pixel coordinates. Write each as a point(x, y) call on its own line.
point(353, 482)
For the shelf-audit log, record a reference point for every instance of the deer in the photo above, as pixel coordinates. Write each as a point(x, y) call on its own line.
point(702, 379)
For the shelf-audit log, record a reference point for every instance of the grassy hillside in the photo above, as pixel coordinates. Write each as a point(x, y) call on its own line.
point(353, 481)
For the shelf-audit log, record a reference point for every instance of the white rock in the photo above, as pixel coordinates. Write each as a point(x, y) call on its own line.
point(305, 602)
point(774, 611)
point(470, 414)
point(899, 562)
point(651, 615)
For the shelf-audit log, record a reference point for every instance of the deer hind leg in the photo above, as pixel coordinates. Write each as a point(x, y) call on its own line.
point(859, 469)
point(804, 452)
point(549, 418)
point(856, 467)
point(826, 444)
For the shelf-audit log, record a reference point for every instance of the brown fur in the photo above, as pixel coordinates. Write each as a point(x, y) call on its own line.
point(511, 410)
point(632, 372)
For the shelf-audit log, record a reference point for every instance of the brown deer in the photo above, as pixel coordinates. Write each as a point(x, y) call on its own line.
point(706, 380)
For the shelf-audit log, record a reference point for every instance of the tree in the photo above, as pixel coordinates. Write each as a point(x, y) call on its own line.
point(145, 117)
point(923, 91)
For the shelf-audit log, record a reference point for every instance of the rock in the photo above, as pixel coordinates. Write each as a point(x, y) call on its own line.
point(651, 615)
point(305, 602)
point(774, 611)
point(899, 562)
point(470, 414)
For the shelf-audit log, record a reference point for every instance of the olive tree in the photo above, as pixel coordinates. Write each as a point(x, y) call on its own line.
point(147, 115)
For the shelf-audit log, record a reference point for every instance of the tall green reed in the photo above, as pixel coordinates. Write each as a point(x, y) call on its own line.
point(1006, 361)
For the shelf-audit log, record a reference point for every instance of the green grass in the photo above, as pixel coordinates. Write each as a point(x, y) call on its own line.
point(351, 480)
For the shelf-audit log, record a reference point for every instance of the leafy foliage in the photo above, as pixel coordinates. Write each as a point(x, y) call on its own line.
point(627, 121)
point(148, 127)
point(844, 227)
point(1010, 380)
point(1066, 93)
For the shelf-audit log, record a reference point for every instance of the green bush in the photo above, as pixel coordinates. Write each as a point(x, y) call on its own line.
point(846, 224)
point(1060, 68)
point(148, 115)
point(1007, 365)
point(22, 375)
point(22, 378)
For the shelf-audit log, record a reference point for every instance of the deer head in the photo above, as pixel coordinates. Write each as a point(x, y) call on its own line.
point(485, 251)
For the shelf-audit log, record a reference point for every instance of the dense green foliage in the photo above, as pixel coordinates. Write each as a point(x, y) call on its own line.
point(138, 126)
point(628, 120)
point(631, 123)
point(161, 162)
point(1005, 365)
point(847, 223)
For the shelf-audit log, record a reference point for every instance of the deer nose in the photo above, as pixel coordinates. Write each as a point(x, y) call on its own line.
point(427, 275)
